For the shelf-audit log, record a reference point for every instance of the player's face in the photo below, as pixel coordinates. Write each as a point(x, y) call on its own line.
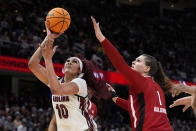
point(72, 66)
point(139, 64)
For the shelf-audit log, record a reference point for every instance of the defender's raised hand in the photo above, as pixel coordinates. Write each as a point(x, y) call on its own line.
point(97, 29)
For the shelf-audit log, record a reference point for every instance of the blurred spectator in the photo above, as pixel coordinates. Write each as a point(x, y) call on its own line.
point(17, 121)
point(22, 126)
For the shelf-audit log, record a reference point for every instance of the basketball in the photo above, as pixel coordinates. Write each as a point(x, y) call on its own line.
point(58, 20)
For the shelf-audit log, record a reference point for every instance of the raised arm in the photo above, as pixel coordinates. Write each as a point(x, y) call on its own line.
point(134, 78)
point(56, 88)
point(34, 63)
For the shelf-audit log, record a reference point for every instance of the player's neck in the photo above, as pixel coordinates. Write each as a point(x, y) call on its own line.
point(146, 75)
point(69, 78)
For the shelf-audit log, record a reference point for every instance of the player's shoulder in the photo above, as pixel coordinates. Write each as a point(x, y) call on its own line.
point(151, 84)
point(150, 80)
point(80, 80)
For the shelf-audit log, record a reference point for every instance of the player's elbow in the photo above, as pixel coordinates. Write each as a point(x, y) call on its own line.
point(55, 90)
point(32, 66)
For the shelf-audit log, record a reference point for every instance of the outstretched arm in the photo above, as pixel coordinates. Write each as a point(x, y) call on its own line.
point(135, 79)
point(34, 63)
point(69, 88)
point(119, 101)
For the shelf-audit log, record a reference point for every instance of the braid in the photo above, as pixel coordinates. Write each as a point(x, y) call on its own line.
point(98, 86)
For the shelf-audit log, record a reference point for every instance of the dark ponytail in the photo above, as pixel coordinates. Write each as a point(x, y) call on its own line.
point(161, 78)
point(156, 71)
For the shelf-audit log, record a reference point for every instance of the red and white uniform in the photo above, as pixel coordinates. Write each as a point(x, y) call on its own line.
point(146, 103)
point(72, 110)
point(92, 109)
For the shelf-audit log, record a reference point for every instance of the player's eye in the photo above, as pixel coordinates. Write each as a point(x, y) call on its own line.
point(67, 61)
point(75, 61)
point(138, 60)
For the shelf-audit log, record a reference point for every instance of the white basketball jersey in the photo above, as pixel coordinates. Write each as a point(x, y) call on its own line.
point(71, 110)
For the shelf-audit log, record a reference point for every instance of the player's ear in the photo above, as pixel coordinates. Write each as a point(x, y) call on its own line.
point(147, 69)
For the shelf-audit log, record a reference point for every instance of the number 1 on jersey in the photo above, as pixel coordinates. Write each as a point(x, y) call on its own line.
point(159, 98)
point(62, 111)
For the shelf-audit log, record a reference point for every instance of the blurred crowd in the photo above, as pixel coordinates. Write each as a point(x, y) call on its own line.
point(169, 36)
point(26, 113)
point(134, 30)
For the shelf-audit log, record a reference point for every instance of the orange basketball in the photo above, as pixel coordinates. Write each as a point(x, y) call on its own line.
point(58, 20)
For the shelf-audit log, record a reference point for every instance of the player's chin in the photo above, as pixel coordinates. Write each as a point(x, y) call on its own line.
point(135, 69)
point(67, 70)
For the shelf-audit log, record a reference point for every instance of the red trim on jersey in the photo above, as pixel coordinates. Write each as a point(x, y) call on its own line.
point(83, 107)
point(92, 109)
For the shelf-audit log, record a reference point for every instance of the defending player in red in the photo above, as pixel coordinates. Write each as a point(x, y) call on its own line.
point(148, 82)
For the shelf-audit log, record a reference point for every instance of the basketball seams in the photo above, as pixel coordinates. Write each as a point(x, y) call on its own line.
point(60, 13)
point(48, 23)
point(59, 17)
point(61, 26)
point(56, 24)
point(58, 20)
point(63, 21)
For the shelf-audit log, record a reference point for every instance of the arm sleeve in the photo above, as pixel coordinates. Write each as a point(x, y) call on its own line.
point(122, 103)
point(135, 79)
point(81, 83)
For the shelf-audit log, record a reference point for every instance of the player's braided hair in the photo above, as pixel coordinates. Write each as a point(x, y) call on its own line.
point(97, 86)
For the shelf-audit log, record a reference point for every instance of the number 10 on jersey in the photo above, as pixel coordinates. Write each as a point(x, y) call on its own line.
point(62, 111)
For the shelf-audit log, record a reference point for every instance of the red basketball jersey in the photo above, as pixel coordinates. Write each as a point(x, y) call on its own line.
point(146, 103)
